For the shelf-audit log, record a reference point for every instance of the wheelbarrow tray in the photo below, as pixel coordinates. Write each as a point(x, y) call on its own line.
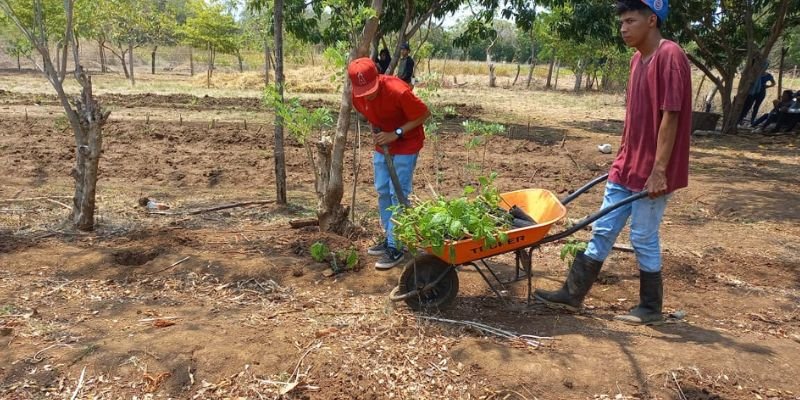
point(541, 204)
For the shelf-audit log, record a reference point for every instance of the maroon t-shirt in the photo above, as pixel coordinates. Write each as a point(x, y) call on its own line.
point(660, 84)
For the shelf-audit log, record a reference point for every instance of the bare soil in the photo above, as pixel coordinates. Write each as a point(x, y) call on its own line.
point(230, 304)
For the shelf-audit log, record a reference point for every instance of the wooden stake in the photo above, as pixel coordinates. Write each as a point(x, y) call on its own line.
point(245, 124)
point(26, 114)
point(180, 120)
point(147, 119)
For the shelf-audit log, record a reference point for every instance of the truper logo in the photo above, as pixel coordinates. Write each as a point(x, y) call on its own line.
point(361, 79)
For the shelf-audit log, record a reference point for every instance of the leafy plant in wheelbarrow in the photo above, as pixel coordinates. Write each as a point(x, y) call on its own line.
point(435, 224)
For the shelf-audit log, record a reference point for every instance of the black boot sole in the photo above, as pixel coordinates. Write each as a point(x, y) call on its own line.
point(559, 306)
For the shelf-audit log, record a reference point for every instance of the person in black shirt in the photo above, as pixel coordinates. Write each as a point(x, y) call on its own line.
point(405, 67)
point(383, 61)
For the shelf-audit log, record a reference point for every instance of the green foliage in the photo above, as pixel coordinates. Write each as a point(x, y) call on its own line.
point(299, 121)
point(319, 251)
point(209, 26)
point(435, 223)
point(571, 249)
point(339, 261)
point(478, 134)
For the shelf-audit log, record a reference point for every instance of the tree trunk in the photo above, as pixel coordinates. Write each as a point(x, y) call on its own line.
point(549, 85)
point(331, 213)
point(533, 61)
point(210, 70)
point(122, 60)
point(558, 70)
point(401, 36)
point(490, 63)
point(103, 65)
point(519, 67)
point(578, 76)
point(266, 62)
point(130, 57)
point(280, 156)
point(784, 50)
point(89, 143)
point(241, 62)
point(19, 65)
point(191, 62)
point(153, 60)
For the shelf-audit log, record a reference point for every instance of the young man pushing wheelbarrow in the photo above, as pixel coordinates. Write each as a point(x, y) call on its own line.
point(653, 157)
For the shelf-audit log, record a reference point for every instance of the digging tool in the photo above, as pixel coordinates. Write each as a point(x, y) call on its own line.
point(398, 189)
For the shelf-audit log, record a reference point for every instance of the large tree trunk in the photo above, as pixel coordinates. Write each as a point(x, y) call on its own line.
point(130, 57)
point(153, 60)
point(89, 142)
point(331, 213)
point(280, 157)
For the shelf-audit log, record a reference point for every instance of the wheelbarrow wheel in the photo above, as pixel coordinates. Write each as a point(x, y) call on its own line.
point(428, 268)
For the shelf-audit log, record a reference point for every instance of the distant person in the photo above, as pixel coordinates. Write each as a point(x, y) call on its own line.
point(789, 118)
point(398, 117)
point(780, 105)
point(654, 157)
point(383, 61)
point(756, 95)
point(405, 67)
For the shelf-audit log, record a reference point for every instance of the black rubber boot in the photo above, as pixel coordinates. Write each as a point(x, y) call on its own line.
point(651, 297)
point(580, 279)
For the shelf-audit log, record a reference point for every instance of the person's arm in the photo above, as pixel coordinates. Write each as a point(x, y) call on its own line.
point(656, 184)
point(770, 82)
point(389, 137)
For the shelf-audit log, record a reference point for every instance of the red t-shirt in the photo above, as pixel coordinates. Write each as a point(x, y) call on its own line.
point(661, 84)
point(392, 108)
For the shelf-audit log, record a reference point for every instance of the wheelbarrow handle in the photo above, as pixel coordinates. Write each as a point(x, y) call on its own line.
point(574, 195)
point(593, 217)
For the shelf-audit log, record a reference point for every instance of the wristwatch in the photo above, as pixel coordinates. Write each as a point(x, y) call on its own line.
point(398, 132)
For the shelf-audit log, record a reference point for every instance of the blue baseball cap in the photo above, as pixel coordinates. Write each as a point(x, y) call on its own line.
point(659, 7)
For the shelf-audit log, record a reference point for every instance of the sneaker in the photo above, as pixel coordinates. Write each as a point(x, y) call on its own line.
point(390, 258)
point(378, 250)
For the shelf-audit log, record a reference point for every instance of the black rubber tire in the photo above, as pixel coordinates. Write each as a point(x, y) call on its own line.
point(428, 268)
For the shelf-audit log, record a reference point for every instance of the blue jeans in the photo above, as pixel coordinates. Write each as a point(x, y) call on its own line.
point(645, 215)
point(404, 165)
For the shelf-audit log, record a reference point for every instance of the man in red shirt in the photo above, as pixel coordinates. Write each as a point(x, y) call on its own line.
point(653, 156)
point(397, 115)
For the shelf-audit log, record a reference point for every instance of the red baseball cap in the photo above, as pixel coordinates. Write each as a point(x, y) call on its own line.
point(363, 76)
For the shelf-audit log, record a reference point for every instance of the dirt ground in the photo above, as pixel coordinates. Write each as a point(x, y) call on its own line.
point(229, 304)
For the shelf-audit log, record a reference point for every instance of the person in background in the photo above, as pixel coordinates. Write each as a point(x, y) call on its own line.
point(780, 105)
point(756, 95)
point(405, 67)
point(383, 61)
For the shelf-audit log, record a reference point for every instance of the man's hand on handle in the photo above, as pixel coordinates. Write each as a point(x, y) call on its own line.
point(656, 184)
point(384, 138)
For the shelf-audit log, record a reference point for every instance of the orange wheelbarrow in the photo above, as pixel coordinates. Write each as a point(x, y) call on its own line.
point(430, 281)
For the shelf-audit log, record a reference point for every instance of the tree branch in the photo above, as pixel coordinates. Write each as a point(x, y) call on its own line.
point(705, 69)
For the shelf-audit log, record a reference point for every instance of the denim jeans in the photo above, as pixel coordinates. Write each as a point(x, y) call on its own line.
point(404, 165)
point(645, 215)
